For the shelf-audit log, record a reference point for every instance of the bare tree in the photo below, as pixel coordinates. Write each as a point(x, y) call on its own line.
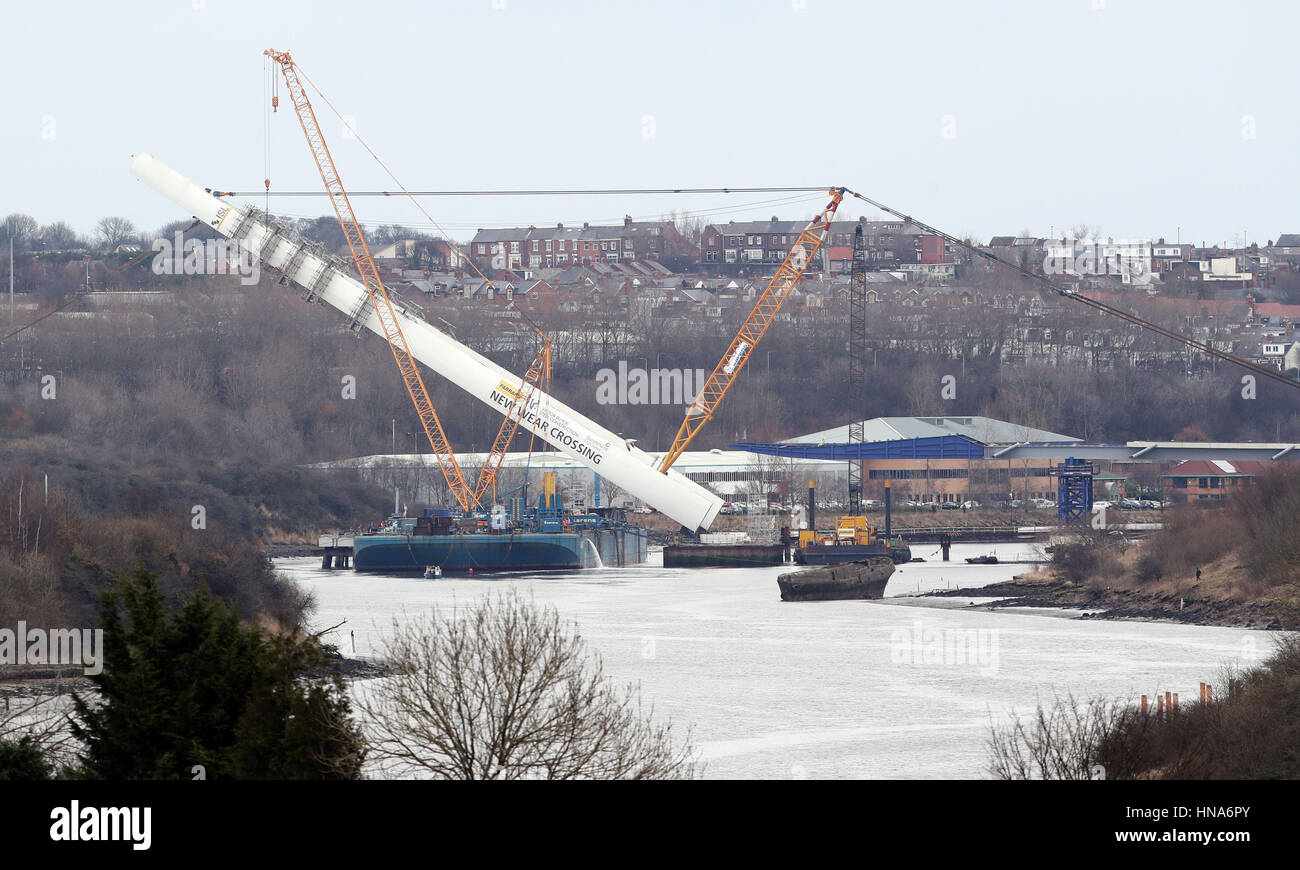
point(22, 228)
point(113, 231)
point(59, 236)
point(1096, 739)
point(506, 690)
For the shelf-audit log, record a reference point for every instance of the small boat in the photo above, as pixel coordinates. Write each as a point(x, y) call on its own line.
point(981, 560)
point(433, 572)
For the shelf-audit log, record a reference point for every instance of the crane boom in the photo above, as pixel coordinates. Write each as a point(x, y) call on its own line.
point(378, 294)
point(760, 318)
point(624, 465)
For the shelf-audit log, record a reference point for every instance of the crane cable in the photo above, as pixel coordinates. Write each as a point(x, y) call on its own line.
point(610, 191)
point(76, 296)
point(272, 84)
point(352, 130)
point(1086, 300)
point(722, 211)
point(414, 201)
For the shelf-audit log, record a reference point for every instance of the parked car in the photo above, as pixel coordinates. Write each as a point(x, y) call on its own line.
point(949, 506)
point(969, 505)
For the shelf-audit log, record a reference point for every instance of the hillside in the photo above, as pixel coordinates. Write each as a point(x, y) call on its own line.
point(1247, 552)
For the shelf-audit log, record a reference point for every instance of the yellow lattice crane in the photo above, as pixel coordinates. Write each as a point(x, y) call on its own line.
point(802, 253)
point(538, 372)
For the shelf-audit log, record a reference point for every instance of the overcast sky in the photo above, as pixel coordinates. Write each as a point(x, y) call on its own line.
point(986, 118)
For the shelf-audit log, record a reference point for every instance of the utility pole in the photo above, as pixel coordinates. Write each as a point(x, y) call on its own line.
point(11, 282)
point(857, 388)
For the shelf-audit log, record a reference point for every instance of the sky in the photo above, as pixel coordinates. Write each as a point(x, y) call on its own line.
point(1135, 119)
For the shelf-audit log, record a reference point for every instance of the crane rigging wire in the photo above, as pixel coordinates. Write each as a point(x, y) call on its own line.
point(390, 174)
point(720, 211)
point(75, 296)
point(464, 257)
point(612, 191)
point(1086, 300)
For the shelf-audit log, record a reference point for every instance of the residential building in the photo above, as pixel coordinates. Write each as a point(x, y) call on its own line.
point(1208, 480)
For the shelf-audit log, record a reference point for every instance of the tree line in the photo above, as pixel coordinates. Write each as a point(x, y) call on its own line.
point(112, 231)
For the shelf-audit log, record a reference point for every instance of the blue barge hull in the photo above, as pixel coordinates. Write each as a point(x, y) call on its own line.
point(518, 551)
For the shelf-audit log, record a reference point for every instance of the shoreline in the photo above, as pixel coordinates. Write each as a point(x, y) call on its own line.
point(1122, 604)
point(18, 681)
point(285, 551)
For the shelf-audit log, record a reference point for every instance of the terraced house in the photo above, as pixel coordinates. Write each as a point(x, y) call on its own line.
point(520, 248)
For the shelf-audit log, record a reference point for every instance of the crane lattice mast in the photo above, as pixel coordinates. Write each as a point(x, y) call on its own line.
point(538, 372)
point(760, 318)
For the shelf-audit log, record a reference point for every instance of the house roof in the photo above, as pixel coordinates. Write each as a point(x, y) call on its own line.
point(1218, 468)
point(1276, 309)
point(740, 228)
point(636, 229)
point(887, 228)
point(505, 234)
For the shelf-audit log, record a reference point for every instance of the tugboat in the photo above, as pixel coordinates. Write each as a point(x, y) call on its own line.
point(433, 572)
point(981, 560)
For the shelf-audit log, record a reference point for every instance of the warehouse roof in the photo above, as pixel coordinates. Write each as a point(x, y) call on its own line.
point(986, 430)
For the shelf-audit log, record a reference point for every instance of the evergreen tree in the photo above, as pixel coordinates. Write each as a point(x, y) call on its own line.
point(22, 759)
point(292, 728)
point(195, 688)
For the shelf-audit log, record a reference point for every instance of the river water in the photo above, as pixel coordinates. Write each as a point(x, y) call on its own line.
point(896, 688)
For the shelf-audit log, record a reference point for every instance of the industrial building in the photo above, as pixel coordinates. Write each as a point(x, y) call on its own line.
point(960, 458)
point(931, 460)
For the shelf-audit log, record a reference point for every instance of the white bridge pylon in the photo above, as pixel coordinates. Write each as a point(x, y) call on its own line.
point(323, 279)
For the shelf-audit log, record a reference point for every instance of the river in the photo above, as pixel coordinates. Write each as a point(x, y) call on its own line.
point(896, 688)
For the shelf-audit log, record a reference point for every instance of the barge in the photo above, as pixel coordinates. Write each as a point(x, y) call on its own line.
point(861, 580)
point(473, 553)
point(517, 537)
